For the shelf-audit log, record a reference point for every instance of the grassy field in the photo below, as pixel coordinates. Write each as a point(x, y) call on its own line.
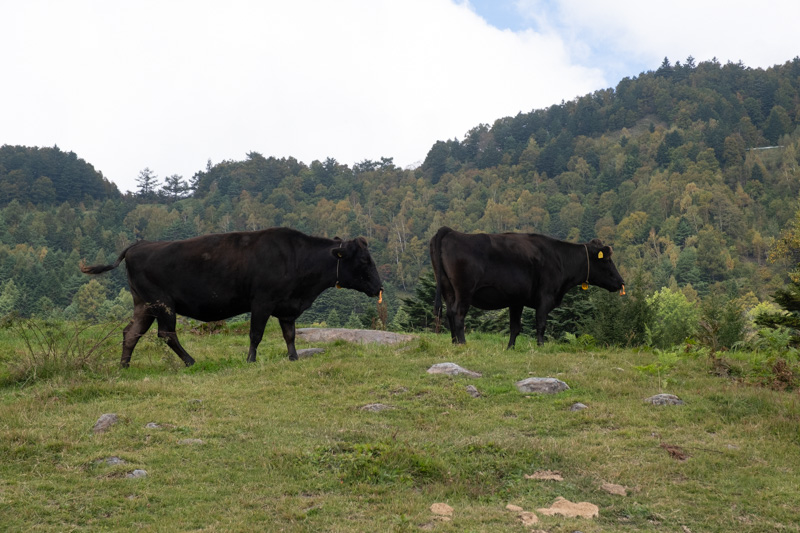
point(286, 446)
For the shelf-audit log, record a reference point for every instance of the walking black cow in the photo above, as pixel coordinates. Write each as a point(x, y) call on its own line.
point(274, 272)
point(514, 270)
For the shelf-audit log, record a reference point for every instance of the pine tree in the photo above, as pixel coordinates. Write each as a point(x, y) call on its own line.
point(788, 299)
point(147, 183)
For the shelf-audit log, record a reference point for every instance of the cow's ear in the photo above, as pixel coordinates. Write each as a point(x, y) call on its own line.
point(362, 242)
point(339, 252)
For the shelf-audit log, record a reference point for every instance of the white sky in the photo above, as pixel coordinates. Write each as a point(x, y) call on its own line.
point(170, 84)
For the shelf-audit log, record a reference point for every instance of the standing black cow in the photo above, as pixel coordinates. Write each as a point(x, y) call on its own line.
point(274, 272)
point(514, 270)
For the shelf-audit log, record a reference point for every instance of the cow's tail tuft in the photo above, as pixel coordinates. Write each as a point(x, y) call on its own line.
point(99, 269)
point(438, 272)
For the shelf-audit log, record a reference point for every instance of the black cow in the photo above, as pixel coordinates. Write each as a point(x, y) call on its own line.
point(274, 272)
point(514, 270)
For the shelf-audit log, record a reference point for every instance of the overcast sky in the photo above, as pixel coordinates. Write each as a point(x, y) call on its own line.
point(169, 84)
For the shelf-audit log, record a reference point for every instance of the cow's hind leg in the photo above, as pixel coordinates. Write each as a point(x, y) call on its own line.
point(288, 329)
point(456, 314)
point(138, 326)
point(515, 318)
point(258, 321)
point(166, 330)
point(541, 323)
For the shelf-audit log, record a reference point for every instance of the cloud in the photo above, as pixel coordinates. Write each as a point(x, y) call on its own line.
point(626, 37)
point(169, 85)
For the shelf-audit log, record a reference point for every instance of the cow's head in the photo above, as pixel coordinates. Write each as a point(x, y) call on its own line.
point(602, 270)
point(355, 267)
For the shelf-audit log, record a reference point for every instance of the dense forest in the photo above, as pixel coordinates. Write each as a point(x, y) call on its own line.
point(690, 171)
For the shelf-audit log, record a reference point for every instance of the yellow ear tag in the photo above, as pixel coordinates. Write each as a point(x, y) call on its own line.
point(623, 290)
point(380, 297)
point(338, 286)
point(584, 285)
point(600, 255)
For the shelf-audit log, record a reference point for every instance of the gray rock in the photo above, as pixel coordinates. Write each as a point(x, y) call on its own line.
point(152, 425)
point(363, 336)
point(105, 422)
point(111, 461)
point(541, 385)
point(472, 391)
point(664, 399)
point(578, 406)
point(452, 369)
point(306, 353)
point(376, 407)
point(137, 473)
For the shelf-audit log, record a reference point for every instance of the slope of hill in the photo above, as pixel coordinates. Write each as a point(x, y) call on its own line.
point(688, 170)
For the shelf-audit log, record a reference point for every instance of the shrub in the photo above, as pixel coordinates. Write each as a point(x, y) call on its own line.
point(674, 318)
point(58, 348)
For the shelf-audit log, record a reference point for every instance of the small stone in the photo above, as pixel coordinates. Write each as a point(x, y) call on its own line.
point(191, 442)
point(664, 399)
point(307, 353)
point(564, 507)
point(105, 422)
point(542, 385)
point(111, 461)
point(545, 475)
point(472, 391)
point(152, 425)
point(578, 406)
point(376, 407)
point(137, 473)
point(441, 509)
point(452, 369)
point(514, 508)
point(612, 488)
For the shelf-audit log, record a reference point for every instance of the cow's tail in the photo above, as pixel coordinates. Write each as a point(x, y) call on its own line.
point(99, 269)
point(438, 272)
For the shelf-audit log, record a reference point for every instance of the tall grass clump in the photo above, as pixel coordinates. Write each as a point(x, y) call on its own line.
point(57, 348)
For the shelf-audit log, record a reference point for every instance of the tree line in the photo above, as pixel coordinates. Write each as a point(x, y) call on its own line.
point(689, 171)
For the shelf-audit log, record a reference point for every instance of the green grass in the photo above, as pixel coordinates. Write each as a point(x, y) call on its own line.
point(286, 446)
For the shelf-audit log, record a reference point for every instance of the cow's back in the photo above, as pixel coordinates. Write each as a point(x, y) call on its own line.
point(214, 275)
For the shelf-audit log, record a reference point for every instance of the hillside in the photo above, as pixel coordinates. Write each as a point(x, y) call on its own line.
point(362, 438)
point(44, 176)
point(688, 170)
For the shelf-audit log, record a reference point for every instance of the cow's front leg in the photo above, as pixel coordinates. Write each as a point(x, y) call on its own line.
point(287, 327)
point(258, 321)
point(515, 318)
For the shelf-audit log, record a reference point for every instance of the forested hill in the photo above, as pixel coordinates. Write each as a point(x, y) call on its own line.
point(688, 170)
point(44, 176)
point(727, 108)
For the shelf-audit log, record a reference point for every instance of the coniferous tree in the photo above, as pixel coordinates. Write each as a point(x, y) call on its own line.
point(146, 182)
point(175, 187)
point(788, 298)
